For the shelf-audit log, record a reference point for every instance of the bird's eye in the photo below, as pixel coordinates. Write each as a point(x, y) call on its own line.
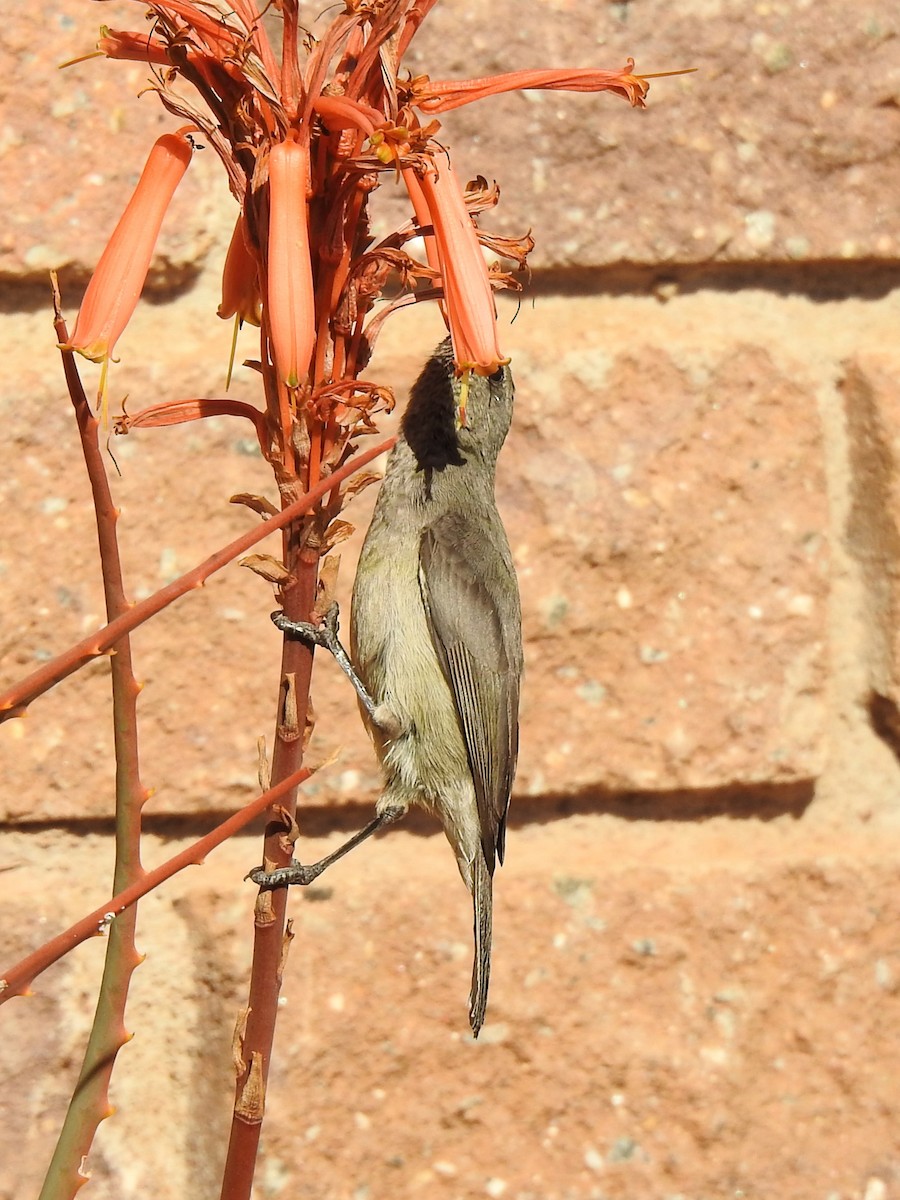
point(497, 376)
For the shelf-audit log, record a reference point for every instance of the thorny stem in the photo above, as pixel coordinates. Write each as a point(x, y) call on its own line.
point(18, 979)
point(269, 943)
point(89, 1104)
point(16, 698)
point(271, 907)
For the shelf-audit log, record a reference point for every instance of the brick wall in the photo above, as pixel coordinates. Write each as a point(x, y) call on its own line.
point(697, 962)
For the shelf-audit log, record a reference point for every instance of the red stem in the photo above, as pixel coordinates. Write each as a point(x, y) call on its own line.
point(269, 942)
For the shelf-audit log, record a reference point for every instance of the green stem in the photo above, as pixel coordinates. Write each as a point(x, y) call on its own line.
point(89, 1104)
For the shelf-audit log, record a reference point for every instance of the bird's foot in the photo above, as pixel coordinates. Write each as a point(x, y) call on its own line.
point(294, 872)
point(325, 634)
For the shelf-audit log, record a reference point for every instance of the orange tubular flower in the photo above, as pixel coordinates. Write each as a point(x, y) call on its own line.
point(440, 95)
point(133, 47)
point(290, 291)
point(469, 301)
point(341, 113)
point(176, 412)
point(240, 280)
point(116, 284)
point(218, 37)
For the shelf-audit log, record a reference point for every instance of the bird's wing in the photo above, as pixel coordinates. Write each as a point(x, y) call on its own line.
point(468, 589)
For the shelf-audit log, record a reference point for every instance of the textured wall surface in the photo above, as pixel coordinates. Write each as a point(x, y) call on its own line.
point(696, 991)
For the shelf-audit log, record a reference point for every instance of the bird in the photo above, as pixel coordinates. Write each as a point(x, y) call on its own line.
point(436, 635)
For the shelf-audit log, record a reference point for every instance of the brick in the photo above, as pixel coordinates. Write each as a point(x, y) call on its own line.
point(745, 161)
point(748, 160)
point(671, 1006)
point(671, 536)
point(872, 406)
point(668, 516)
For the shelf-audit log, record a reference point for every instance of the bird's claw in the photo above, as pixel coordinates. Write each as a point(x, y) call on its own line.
point(294, 872)
point(324, 634)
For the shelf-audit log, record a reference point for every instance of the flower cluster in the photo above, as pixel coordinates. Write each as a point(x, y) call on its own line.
point(305, 135)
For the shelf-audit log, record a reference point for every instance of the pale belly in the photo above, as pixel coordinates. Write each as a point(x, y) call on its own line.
point(426, 762)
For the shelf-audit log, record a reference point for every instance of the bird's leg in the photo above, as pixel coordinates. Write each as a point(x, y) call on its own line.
point(326, 635)
point(297, 873)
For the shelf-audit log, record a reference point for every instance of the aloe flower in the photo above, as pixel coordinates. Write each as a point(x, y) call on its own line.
point(240, 282)
point(116, 285)
point(467, 291)
point(290, 293)
point(442, 95)
point(305, 135)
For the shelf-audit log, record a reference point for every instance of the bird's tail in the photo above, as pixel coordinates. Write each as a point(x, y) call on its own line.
point(482, 899)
